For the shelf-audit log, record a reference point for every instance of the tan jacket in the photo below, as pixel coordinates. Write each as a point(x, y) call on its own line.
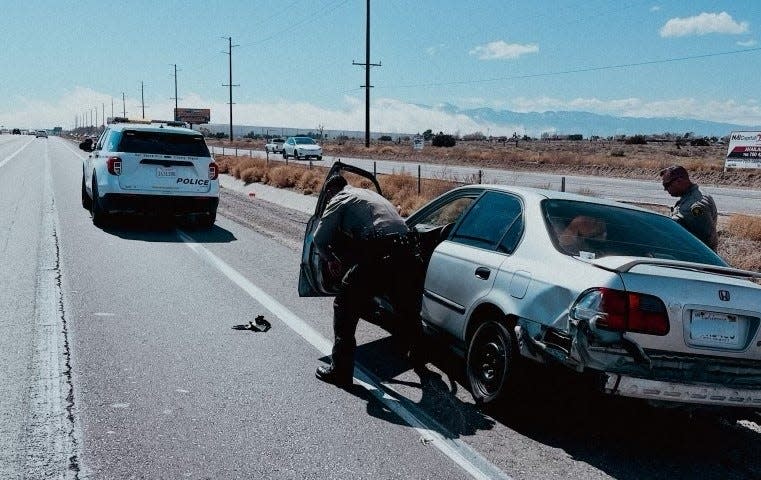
point(697, 213)
point(352, 215)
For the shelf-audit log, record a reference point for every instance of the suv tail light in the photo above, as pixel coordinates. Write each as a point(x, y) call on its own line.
point(213, 171)
point(622, 311)
point(114, 165)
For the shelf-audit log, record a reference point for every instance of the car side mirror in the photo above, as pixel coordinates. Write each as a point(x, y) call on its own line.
point(87, 146)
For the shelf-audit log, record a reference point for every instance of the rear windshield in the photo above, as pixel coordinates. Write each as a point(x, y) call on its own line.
point(595, 231)
point(136, 141)
point(304, 141)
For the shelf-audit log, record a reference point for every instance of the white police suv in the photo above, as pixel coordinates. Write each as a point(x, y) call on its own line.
point(150, 167)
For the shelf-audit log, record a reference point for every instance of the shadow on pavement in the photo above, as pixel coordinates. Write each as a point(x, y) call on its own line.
point(624, 438)
point(162, 229)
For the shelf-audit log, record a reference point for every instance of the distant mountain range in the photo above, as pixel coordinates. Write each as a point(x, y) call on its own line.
point(501, 122)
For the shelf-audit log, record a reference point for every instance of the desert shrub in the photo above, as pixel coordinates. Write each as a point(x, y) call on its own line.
point(242, 164)
point(443, 140)
point(700, 142)
point(253, 174)
point(745, 226)
point(636, 140)
point(310, 181)
point(617, 153)
point(283, 176)
point(385, 138)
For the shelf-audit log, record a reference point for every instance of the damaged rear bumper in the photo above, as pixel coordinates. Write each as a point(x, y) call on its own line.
point(627, 386)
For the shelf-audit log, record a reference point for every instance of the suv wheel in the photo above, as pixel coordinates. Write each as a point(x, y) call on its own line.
point(86, 202)
point(490, 362)
point(99, 216)
point(206, 222)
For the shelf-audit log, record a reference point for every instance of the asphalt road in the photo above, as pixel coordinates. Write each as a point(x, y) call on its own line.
point(121, 359)
point(728, 200)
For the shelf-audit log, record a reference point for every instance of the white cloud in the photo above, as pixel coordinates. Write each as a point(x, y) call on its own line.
point(434, 49)
point(748, 43)
point(388, 115)
point(729, 111)
point(655, 8)
point(703, 24)
point(501, 50)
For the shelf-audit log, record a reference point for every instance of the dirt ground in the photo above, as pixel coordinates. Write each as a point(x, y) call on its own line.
point(584, 157)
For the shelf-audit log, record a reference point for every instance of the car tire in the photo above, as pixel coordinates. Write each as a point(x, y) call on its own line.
point(99, 216)
point(206, 222)
point(318, 157)
point(490, 362)
point(86, 201)
point(296, 155)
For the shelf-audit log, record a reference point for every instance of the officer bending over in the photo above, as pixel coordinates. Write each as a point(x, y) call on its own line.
point(365, 242)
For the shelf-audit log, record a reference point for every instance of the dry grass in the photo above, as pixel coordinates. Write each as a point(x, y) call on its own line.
point(739, 235)
point(745, 226)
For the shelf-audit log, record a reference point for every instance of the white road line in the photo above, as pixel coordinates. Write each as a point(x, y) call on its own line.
point(457, 450)
point(52, 443)
point(8, 158)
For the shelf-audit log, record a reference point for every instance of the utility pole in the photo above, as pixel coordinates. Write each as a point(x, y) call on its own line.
point(112, 106)
point(124, 106)
point(175, 98)
point(230, 84)
point(367, 85)
point(142, 98)
point(103, 117)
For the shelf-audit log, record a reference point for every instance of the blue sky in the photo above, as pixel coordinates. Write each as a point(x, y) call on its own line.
point(687, 59)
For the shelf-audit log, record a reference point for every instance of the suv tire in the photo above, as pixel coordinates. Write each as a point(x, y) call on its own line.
point(99, 216)
point(86, 201)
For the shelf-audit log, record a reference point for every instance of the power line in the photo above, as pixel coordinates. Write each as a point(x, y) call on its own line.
point(576, 70)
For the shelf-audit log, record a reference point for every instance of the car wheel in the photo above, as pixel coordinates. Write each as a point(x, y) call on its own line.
point(86, 202)
point(99, 216)
point(319, 157)
point(206, 222)
point(296, 155)
point(490, 362)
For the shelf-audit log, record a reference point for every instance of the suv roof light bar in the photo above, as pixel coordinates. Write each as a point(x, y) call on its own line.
point(169, 123)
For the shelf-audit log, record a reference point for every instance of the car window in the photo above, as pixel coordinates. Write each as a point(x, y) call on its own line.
point(447, 213)
point(304, 141)
point(136, 141)
point(487, 222)
point(603, 230)
point(99, 143)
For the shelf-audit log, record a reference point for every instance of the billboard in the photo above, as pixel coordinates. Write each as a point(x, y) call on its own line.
point(195, 116)
point(744, 150)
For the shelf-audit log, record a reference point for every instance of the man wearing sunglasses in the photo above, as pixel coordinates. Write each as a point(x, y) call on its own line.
point(694, 210)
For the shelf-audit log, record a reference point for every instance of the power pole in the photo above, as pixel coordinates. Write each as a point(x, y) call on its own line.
point(103, 117)
point(142, 98)
point(112, 106)
point(230, 84)
point(124, 106)
point(175, 98)
point(367, 85)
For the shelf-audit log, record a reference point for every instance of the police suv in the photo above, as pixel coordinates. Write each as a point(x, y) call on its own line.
point(150, 167)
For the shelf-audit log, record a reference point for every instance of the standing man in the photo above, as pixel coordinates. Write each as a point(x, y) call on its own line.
point(694, 210)
point(365, 243)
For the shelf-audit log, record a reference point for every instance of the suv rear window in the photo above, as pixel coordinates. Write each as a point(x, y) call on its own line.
point(136, 141)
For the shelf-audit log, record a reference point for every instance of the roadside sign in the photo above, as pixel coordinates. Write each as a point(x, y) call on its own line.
point(195, 116)
point(418, 142)
point(744, 150)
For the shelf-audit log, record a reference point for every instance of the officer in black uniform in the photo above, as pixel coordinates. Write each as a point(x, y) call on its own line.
point(365, 242)
point(694, 210)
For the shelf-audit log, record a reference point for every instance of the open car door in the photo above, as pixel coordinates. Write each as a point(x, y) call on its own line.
point(314, 279)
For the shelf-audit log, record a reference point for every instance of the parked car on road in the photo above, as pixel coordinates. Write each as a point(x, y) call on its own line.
point(275, 145)
point(150, 168)
point(517, 275)
point(41, 134)
point(301, 147)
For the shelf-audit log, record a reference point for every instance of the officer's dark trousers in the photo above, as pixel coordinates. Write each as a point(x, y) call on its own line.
point(397, 276)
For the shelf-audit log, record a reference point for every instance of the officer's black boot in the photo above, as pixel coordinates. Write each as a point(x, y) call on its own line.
point(329, 374)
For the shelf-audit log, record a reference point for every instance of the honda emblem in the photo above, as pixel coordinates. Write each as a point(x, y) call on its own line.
point(724, 295)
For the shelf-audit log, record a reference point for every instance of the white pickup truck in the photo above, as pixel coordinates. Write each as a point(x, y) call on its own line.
point(275, 145)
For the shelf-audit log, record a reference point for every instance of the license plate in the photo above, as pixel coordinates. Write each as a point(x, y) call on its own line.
point(166, 172)
point(714, 329)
